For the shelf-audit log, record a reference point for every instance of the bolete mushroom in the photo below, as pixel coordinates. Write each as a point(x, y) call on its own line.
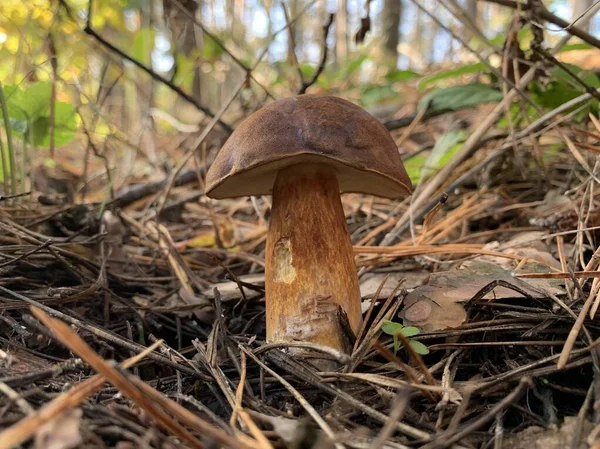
point(305, 150)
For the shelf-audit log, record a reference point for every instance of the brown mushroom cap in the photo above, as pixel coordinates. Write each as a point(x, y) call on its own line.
point(309, 129)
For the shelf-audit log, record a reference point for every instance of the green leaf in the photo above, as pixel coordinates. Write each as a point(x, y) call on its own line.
point(457, 97)
point(376, 94)
point(525, 37)
point(498, 40)
point(419, 347)
point(410, 331)
point(413, 167)
point(562, 88)
point(573, 47)
point(390, 328)
point(398, 76)
point(450, 74)
point(34, 101)
point(143, 44)
point(211, 50)
point(135, 4)
point(65, 126)
point(16, 117)
point(185, 71)
point(307, 70)
point(445, 147)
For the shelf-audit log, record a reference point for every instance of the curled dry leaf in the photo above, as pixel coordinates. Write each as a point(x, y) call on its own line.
point(60, 433)
point(230, 290)
point(298, 433)
point(553, 437)
point(440, 304)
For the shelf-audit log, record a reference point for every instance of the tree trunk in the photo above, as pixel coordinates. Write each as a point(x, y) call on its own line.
point(391, 15)
point(185, 38)
point(341, 32)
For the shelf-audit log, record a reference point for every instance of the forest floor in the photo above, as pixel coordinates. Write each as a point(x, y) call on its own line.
point(505, 264)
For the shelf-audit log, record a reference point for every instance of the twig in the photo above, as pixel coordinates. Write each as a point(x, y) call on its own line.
point(471, 143)
point(400, 404)
point(463, 153)
point(301, 400)
point(89, 30)
point(482, 419)
point(324, 51)
point(548, 16)
point(337, 355)
point(408, 370)
point(114, 339)
point(223, 47)
point(26, 427)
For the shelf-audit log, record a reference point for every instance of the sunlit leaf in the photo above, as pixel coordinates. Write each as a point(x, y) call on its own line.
point(442, 151)
point(575, 47)
point(65, 126)
point(396, 76)
point(466, 69)
point(211, 50)
point(143, 44)
point(307, 70)
point(34, 101)
point(413, 167)
point(185, 71)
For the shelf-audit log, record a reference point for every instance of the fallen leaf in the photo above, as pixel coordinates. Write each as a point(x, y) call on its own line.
point(553, 437)
point(230, 290)
point(60, 433)
point(371, 282)
point(429, 308)
point(439, 304)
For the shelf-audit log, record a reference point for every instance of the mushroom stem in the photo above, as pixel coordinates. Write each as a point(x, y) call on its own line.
point(310, 268)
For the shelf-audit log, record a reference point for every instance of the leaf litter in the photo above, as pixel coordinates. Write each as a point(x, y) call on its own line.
point(187, 281)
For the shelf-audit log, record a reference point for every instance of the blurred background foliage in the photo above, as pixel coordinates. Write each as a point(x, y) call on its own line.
point(107, 92)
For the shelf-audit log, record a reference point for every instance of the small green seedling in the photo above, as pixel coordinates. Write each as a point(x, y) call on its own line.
point(391, 328)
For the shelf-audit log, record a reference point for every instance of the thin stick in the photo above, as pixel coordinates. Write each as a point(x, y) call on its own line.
point(23, 430)
point(301, 400)
point(400, 404)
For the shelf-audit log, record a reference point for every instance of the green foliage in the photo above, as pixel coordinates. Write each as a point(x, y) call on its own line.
point(563, 88)
point(421, 167)
point(375, 94)
point(443, 150)
point(135, 4)
point(307, 70)
point(185, 71)
point(143, 43)
point(457, 97)
point(393, 329)
point(29, 115)
point(577, 46)
point(211, 50)
point(399, 76)
point(466, 69)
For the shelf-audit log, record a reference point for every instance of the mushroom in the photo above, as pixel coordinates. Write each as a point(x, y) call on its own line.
point(304, 151)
